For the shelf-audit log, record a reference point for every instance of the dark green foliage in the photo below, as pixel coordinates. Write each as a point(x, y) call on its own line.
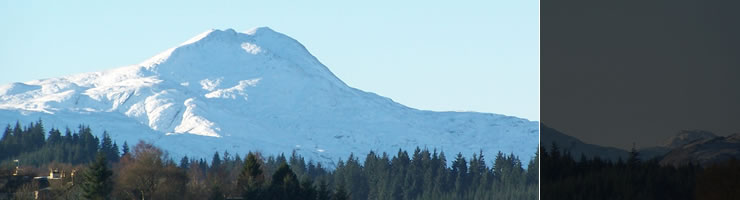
point(352, 176)
point(184, 163)
point(19, 140)
point(251, 179)
point(533, 175)
point(97, 182)
point(284, 184)
point(29, 145)
point(593, 178)
point(423, 175)
point(323, 192)
point(55, 137)
point(109, 148)
point(216, 161)
point(125, 149)
point(307, 189)
point(340, 194)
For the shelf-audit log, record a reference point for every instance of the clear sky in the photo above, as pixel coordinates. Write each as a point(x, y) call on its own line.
point(449, 56)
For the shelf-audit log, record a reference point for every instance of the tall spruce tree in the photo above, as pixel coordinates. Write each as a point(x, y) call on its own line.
point(284, 184)
point(184, 163)
point(107, 147)
point(97, 182)
point(216, 161)
point(251, 179)
point(634, 157)
point(125, 149)
point(533, 169)
point(55, 137)
point(340, 193)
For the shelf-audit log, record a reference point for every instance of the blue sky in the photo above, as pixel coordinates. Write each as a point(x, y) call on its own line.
point(447, 56)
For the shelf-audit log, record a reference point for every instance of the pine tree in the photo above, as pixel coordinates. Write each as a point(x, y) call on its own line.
point(323, 192)
point(5, 148)
point(284, 184)
point(341, 193)
point(36, 134)
point(633, 157)
point(460, 173)
point(216, 161)
point(307, 189)
point(251, 179)
point(67, 136)
point(96, 180)
point(107, 147)
point(55, 137)
point(184, 162)
point(115, 153)
point(125, 149)
point(533, 169)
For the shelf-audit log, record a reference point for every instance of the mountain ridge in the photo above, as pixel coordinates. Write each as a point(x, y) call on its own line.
point(260, 90)
point(687, 146)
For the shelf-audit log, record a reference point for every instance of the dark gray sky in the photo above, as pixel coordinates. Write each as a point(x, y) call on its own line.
point(618, 72)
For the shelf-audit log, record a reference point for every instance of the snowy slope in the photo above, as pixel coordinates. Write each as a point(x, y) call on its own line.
point(687, 136)
point(705, 151)
point(256, 90)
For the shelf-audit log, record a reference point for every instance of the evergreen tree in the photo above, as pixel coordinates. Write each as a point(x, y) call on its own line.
point(533, 169)
point(5, 147)
point(97, 183)
point(125, 149)
point(215, 161)
point(107, 147)
point(36, 133)
point(633, 159)
point(184, 162)
point(67, 136)
point(341, 193)
point(307, 190)
point(115, 153)
point(323, 192)
point(284, 184)
point(149, 173)
point(251, 178)
point(55, 137)
point(6, 134)
point(460, 173)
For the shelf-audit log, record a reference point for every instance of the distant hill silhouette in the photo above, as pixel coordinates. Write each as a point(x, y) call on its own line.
point(576, 147)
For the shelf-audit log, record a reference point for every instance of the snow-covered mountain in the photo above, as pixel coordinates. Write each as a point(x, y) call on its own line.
point(687, 136)
point(705, 151)
point(257, 90)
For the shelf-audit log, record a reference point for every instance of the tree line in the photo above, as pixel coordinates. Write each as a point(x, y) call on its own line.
point(564, 177)
point(31, 145)
point(147, 172)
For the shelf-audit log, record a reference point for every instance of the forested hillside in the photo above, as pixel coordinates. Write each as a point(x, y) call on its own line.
point(144, 171)
point(566, 176)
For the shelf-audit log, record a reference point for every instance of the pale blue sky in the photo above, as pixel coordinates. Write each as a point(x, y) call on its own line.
point(448, 56)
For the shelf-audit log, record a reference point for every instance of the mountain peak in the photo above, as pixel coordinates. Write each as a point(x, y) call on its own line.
point(210, 34)
point(219, 52)
point(260, 30)
point(257, 90)
point(684, 137)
